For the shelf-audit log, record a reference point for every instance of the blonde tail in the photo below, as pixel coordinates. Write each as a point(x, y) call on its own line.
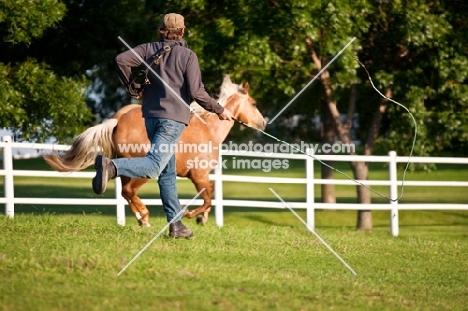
point(86, 146)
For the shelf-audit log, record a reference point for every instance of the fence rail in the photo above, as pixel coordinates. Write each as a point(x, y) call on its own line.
point(309, 181)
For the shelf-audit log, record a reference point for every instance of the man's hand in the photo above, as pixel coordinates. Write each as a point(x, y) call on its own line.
point(225, 115)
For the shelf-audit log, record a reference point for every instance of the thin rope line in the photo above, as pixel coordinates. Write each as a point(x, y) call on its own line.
point(320, 161)
point(343, 173)
point(415, 128)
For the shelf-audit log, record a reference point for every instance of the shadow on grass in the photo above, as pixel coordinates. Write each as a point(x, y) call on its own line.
point(347, 218)
point(266, 216)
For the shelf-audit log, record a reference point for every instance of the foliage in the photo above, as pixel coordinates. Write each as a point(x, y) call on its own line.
point(56, 108)
point(416, 48)
point(36, 103)
point(24, 20)
point(420, 49)
point(86, 42)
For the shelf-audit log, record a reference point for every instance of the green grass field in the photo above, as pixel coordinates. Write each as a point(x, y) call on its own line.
point(68, 257)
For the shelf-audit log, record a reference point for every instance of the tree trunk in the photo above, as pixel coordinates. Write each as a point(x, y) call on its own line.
point(360, 169)
point(375, 126)
point(364, 217)
point(328, 133)
point(328, 136)
point(364, 220)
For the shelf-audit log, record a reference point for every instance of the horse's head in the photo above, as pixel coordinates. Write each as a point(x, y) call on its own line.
point(236, 98)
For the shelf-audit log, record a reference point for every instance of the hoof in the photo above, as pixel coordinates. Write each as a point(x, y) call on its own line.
point(144, 224)
point(201, 220)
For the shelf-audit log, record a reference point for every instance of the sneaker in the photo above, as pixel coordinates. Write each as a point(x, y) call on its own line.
point(178, 230)
point(105, 170)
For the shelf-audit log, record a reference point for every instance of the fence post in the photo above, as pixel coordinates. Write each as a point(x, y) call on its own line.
point(392, 166)
point(8, 178)
point(218, 191)
point(310, 192)
point(120, 202)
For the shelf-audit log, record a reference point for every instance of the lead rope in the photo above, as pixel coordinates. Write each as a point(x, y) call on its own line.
point(337, 170)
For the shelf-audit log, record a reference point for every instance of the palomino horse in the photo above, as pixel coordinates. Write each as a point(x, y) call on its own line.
point(127, 128)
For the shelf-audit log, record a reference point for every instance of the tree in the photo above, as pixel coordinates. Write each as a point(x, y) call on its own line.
point(32, 96)
point(414, 50)
point(85, 42)
point(402, 45)
point(335, 30)
point(420, 50)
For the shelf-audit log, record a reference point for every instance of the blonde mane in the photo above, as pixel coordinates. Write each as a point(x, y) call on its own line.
point(227, 89)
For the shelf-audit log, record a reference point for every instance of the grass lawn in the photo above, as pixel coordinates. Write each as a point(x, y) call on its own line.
point(68, 257)
point(70, 262)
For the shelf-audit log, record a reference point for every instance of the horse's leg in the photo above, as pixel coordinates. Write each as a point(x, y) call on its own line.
point(202, 219)
point(201, 180)
point(130, 187)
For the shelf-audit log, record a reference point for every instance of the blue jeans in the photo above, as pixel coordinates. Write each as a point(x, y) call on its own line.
point(158, 163)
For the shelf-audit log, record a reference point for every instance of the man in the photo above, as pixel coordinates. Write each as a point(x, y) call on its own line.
point(166, 112)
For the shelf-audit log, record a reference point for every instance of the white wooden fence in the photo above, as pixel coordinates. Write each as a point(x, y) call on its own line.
point(310, 205)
